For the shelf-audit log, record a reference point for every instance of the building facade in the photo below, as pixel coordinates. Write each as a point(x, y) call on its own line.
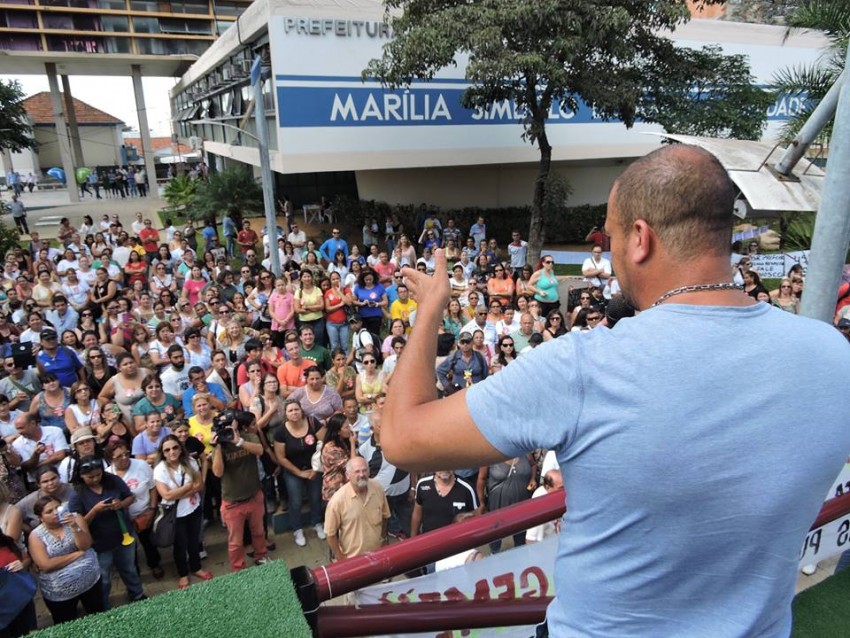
point(139, 27)
point(333, 133)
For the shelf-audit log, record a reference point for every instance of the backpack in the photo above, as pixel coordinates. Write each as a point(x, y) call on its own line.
point(376, 340)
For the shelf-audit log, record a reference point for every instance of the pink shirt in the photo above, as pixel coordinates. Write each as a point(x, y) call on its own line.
point(282, 305)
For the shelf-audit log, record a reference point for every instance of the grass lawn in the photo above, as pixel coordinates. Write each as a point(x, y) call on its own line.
point(822, 611)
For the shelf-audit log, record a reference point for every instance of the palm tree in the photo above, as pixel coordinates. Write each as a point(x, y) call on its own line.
point(233, 190)
point(812, 82)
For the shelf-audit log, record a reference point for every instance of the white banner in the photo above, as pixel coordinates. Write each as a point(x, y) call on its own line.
point(831, 539)
point(776, 266)
point(523, 572)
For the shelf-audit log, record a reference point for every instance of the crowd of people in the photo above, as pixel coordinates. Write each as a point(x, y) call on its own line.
point(148, 368)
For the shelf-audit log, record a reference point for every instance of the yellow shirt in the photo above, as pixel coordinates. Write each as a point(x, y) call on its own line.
point(201, 432)
point(401, 310)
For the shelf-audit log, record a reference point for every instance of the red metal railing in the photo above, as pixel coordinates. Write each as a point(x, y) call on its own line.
point(349, 575)
point(340, 622)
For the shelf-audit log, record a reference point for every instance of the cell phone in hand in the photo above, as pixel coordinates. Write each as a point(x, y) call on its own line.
point(109, 500)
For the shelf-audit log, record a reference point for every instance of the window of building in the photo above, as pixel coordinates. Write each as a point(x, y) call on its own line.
point(118, 24)
point(146, 25)
point(309, 188)
point(202, 8)
point(145, 5)
point(172, 25)
point(20, 42)
point(117, 5)
point(18, 20)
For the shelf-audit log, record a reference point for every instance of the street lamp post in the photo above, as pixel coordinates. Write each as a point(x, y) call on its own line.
point(265, 167)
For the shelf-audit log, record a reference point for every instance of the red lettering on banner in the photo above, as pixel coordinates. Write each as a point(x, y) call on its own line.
point(542, 582)
point(482, 590)
point(453, 593)
point(506, 581)
point(430, 597)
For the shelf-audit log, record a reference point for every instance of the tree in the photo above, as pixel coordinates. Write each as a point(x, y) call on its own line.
point(713, 95)
point(15, 132)
point(540, 54)
point(180, 191)
point(812, 81)
point(232, 190)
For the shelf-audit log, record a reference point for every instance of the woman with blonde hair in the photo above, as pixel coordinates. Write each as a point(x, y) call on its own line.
point(784, 297)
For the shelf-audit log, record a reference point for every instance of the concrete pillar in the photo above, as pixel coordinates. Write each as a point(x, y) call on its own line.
point(144, 130)
point(73, 129)
point(62, 133)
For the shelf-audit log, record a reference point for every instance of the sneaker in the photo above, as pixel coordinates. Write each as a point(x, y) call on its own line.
point(299, 538)
point(265, 560)
point(320, 531)
point(808, 570)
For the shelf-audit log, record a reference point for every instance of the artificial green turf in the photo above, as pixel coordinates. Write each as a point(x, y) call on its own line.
point(822, 611)
point(259, 602)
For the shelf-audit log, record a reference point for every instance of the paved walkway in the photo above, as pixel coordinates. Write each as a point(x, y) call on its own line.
point(45, 209)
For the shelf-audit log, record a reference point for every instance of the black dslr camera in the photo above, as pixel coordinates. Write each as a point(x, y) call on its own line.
point(222, 421)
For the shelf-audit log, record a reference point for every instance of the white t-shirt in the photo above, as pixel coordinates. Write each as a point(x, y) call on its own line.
point(77, 293)
point(173, 480)
point(121, 255)
point(53, 439)
point(544, 530)
point(298, 238)
point(139, 478)
point(175, 382)
point(603, 263)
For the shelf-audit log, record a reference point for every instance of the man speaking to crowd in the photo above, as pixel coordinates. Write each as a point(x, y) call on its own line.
point(691, 489)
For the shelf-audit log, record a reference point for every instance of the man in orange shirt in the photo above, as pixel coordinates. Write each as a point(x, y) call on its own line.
point(292, 373)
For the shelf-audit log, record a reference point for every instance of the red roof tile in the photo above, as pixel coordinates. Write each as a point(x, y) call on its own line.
point(40, 108)
point(158, 144)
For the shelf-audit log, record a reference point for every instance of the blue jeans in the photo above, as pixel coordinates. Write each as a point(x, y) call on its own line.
point(124, 560)
point(230, 245)
point(295, 486)
point(339, 335)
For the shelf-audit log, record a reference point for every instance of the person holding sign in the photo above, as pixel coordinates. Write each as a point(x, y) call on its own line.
point(671, 528)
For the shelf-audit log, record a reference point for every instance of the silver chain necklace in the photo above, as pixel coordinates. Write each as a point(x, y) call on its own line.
point(696, 288)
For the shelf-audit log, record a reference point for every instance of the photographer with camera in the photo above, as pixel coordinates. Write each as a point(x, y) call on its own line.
point(236, 449)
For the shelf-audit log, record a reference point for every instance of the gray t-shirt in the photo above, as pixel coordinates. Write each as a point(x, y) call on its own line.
point(28, 384)
point(696, 444)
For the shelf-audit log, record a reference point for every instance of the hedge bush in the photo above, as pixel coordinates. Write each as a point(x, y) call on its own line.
point(259, 602)
point(571, 228)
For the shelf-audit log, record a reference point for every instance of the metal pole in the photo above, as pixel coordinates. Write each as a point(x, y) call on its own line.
point(265, 166)
point(374, 620)
point(832, 225)
point(73, 129)
point(62, 133)
point(345, 576)
point(819, 118)
point(144, 131)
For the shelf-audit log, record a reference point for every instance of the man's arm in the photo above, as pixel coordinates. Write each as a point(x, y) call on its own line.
point(333, 541)
point(415, 520)
point(452, 440)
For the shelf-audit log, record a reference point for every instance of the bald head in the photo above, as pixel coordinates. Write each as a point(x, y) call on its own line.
point(684, 194)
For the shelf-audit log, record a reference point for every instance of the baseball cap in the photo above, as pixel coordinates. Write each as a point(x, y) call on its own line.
point(355, 317)
point(48, 333)
point(80, 435)
point(464, 336)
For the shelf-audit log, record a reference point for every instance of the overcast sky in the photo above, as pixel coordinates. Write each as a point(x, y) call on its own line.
point(114, 95)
